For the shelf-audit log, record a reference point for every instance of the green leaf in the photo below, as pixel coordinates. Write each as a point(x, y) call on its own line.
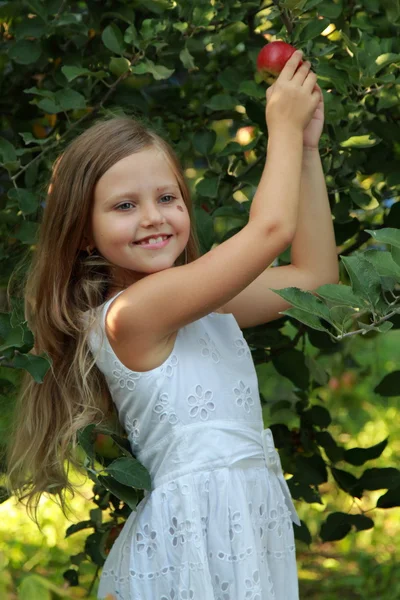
point(304, 317)
point(305, 301)
point(347, 482)
point(362, 199)
point(311, 469)
point(313, 29)
point(340, 294)
point(27, 232)
point(291, 364)
point(158, 71)
point(40, 92)
point(123, 492)
point(119, 66)
point(28, 202)
point(7, 151)
point(358, 456)
point(86, 438)
point(252, 89)
point(204, 141)
point(72, 72)
point(342, 316)
point(383, 263)
point(25, 52)
point(30, 28)
point(29, 139)
point(330, 9)
point(336, 527)
point(380, 478)
point(361, 141)
point(299, 490)
point(69, 99)
point(94, 547)
point(49, 106)
point(332, 450)
point(390, 499)
point(317, 371)
point(208, 187)
point(365, 281)
point(113, 39)
point(131, 36)
point(319, 416)
point(361, 522)
point(37, 366)
point(222, 102)
point(205, 229)
point(388, 235)
point(131, 472)
point(389, 385)
point(187, 59)
point(303, 534)
point(228, 79)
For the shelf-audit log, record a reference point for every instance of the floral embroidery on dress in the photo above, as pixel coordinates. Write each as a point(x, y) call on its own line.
point(183, 532)
point(221, 588)
point(170, 366)
point(242, 348)
point(126, 379)
point(235, 523)
point(209, 349)
point(201, 403)
point(243, 393)
point(133, 431)
point(253, 587)
point(164, 410)
point(145, 542)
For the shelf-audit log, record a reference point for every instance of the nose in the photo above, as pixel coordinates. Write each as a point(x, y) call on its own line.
point(151, 215)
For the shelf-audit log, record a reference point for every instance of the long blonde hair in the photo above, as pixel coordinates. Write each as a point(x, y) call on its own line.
point(62, 284)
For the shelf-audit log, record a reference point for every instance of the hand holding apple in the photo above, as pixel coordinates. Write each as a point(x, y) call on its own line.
point(270, 63)
point(292, 100)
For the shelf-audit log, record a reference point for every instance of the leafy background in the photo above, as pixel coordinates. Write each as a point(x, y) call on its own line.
point(329, 368)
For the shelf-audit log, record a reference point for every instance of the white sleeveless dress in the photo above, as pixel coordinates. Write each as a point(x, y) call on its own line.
point(217, 524)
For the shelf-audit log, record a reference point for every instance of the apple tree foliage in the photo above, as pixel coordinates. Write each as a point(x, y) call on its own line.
point(188, 68)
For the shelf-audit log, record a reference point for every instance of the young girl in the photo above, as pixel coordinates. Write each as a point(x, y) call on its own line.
point(164, 346)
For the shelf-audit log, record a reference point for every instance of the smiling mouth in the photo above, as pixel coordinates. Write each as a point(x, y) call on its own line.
point(155, 245)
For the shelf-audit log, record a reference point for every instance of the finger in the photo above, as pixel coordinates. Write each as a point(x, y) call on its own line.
point(310, 82)
point(302, 73)
point(316, 98)
point(290, 67)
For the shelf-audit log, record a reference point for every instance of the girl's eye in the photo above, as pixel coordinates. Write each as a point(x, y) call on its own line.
point(124, 204)
point(168, 196)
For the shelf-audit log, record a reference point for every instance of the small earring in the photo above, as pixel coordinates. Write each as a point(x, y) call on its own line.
point(89, 250)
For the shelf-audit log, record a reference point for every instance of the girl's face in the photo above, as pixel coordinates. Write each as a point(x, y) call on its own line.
point(139, 197)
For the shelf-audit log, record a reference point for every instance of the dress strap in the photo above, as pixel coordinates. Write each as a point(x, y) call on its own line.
point(273, 461)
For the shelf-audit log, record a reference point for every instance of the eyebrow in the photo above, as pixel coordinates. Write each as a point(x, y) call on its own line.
point(128, 194)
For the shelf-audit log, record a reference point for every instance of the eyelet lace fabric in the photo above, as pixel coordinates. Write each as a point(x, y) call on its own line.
point(218, 522)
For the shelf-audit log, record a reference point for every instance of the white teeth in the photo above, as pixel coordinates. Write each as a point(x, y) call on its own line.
point(154, 240)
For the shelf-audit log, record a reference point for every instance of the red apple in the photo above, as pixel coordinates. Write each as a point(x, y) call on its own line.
point(273, 57)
